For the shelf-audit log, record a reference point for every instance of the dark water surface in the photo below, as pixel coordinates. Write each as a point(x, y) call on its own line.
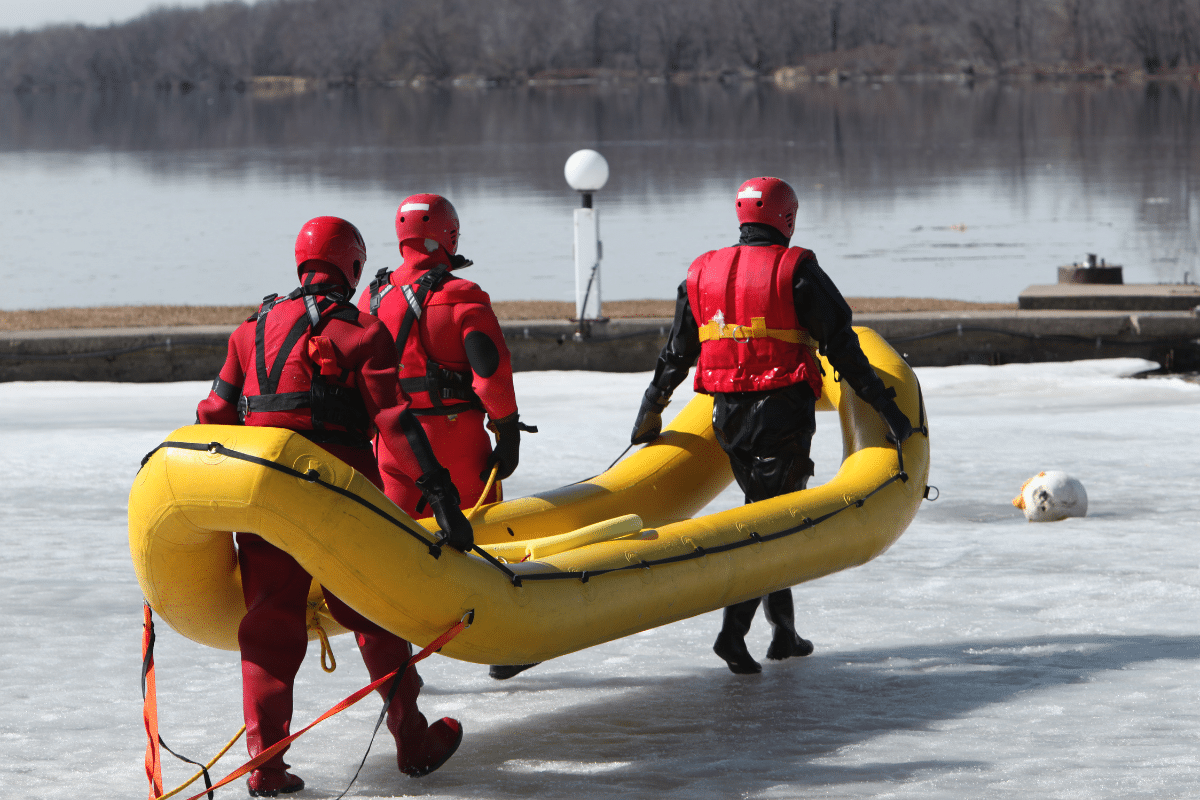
point(915, 189)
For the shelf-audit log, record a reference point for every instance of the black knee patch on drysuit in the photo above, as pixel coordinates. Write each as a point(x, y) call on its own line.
point(482, 354)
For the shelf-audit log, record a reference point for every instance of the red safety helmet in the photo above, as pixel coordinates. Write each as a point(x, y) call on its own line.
point(428, 216)
point(769, 201)
point(334, 241)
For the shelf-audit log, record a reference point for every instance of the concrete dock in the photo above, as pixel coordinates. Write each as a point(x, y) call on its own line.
point(1110, 297)
point(154, 354)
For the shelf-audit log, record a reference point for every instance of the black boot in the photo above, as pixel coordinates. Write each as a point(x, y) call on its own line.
point(503, 672)
point(731, 641)
point(785, 642)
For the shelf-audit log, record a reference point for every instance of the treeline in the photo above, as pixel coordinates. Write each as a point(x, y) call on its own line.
point(370, 41)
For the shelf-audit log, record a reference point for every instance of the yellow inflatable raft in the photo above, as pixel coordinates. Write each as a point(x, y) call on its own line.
point(562, 570)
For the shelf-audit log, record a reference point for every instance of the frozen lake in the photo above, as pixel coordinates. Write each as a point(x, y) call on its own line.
point(980, 657)
point(906, 189)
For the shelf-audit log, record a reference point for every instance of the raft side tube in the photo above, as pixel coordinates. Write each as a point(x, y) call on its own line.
point(338, 529)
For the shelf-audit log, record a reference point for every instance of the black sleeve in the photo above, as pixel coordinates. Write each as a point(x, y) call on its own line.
point(682, 347)
point(821, 309)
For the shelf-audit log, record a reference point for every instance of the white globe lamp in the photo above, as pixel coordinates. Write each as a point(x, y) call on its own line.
point(586, 172)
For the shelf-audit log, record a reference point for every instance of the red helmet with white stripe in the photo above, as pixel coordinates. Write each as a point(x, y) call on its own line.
point(428, 216)
point(768, 201)
point(334, 241)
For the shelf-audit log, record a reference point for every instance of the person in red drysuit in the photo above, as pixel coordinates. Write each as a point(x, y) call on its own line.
point(312, 363)
point(748, 314)
point(453, 360)
point(454, 363)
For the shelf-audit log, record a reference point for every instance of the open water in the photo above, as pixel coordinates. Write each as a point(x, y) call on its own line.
point(907, 189)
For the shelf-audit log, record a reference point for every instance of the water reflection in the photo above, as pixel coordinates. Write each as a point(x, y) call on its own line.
point(911, 188)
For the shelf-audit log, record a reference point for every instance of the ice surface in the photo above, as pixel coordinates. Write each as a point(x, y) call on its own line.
point(981, 656)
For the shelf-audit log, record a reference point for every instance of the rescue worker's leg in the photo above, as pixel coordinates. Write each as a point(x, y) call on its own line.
point(785, 642)
point(767, 436)
point(272, 638)
point(462, 445)
point(420, 747)
point(731, 641)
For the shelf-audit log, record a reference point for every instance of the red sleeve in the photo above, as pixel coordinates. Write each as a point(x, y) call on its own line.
point(494, 389)
point(215, 410)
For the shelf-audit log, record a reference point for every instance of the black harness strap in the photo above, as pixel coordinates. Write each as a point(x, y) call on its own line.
point(438, 382)
point(330, 403)
point(380, 286)
point(442, 411)
point(226, 390)
point(431, 281)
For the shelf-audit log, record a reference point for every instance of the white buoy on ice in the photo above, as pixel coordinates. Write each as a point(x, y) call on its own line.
point(1050, 496)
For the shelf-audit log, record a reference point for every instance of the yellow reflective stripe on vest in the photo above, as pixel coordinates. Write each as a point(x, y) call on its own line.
point(757, 329)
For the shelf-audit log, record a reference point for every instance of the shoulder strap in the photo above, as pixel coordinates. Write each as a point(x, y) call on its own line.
point(268, 380)
point(378, 287)
point(429, 282)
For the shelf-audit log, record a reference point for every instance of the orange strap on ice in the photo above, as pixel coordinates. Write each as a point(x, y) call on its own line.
point(150, 706)
point(265, 755)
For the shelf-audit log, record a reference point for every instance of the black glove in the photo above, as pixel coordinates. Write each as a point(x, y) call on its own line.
point(899, 428)
point(648, 424)
point(508, 447)
point(443, 498)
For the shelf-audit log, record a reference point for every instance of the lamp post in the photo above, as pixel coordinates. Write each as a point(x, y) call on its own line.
point(586, 172)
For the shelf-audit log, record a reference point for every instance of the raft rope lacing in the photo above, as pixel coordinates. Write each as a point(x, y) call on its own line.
point(435, 548)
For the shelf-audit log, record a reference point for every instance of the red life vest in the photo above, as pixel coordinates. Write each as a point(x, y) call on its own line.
point(296, 381)
point(750, 339)
point(433, 388)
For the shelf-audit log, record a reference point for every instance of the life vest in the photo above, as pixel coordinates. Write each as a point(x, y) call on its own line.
point(434, 389)
point(298, 383)
point(750, 339)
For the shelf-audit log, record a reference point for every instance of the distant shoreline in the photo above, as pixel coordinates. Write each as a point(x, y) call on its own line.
point(506, 310)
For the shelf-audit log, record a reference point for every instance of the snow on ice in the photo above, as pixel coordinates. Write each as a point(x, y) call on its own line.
point(981, 656)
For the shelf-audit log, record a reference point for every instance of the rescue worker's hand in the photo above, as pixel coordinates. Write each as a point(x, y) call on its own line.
point(507, 452)
point(648, 424)
point(899, 428)
point(443, 500)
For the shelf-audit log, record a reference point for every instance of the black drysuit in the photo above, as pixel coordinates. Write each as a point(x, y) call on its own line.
point(767, 435)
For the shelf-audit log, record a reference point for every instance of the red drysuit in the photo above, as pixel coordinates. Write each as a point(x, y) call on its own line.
point(351, 357)
point(455, 366)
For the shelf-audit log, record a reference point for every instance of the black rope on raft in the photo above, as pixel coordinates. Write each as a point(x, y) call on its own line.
point(807, 523)
point(311, 476)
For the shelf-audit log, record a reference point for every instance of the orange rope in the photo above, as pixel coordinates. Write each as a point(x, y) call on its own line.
point(266, 755)
point(150, 707)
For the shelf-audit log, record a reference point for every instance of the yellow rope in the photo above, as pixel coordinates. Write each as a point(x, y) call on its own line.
point(486, 490)
point(317, 608)
point(207, 766)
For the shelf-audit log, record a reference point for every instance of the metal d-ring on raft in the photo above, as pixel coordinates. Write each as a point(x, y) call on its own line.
point(553, 573)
